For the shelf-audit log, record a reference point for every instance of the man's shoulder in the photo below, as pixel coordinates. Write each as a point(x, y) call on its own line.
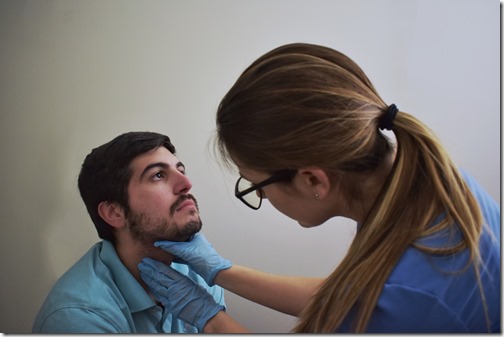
point(83, 275)
point(87, 287)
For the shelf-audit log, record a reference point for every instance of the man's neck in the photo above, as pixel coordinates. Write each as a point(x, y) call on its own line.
point(132, 252)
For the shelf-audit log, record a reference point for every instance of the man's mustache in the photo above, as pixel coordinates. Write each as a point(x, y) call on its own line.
point(180, 200)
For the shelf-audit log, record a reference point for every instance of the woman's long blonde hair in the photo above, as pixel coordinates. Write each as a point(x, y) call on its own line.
point(307, 105)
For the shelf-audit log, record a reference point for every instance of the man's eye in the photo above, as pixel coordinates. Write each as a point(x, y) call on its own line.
point(158, 176)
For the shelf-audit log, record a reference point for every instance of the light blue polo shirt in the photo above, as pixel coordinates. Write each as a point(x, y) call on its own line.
point(99, 295)
point(428, 294)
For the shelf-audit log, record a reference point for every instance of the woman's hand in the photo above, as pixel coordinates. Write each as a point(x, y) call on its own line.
point(199, 255)
point(182, 297)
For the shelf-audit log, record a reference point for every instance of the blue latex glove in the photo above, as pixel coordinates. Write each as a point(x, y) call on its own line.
point(179, 294)
point(199, 255)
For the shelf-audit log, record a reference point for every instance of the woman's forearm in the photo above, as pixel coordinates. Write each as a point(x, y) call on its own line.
point(287, 294)
point(223, 323)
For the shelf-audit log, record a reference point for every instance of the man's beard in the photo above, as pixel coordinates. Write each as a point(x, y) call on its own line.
point(162, 228)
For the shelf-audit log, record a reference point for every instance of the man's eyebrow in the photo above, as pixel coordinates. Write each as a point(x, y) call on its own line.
point(160, 165)
point(153, 165)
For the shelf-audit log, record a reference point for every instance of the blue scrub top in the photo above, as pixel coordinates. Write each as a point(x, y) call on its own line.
point(99, 295)
point(429, 294)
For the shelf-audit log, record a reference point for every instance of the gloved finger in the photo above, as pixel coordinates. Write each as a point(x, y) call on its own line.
point(153, 284)
point(159, 271)
point(179, 260)
point(144, 264)
point(162, 280)
point(171, 247)
point(166, 245)
point(153, 268)
point(199, 239)
point(159, 287)
point(163, 283)
point(146, 267)
point(156, 289)
point(157, 295)
point(178, 248)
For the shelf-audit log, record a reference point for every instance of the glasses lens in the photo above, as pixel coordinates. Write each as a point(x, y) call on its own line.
point(251, 198)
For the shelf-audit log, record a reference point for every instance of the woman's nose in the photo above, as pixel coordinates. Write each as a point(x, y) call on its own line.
point(260, 193)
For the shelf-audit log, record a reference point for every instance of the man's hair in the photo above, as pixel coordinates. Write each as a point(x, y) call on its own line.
point(106, 172)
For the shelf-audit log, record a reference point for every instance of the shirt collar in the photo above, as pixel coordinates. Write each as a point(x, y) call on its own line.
point(134, 294)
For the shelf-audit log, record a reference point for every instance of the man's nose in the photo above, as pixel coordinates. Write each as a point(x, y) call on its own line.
point(183, 184)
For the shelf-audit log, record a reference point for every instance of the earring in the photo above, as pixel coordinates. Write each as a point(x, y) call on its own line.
point(317, 195)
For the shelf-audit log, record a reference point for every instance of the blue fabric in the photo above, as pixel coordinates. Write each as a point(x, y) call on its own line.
point(426, 293)
point(99, 295)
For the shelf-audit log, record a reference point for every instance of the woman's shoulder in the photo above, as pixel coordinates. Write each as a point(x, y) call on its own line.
point(489, 207)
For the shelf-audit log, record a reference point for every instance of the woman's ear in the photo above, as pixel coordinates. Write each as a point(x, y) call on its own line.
point(112, 213)
point(316, 181)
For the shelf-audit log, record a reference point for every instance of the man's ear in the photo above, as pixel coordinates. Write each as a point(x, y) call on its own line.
point(112, 213)
point(316, 181)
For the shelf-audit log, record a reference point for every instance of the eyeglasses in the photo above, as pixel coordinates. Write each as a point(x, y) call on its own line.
point(244, 188)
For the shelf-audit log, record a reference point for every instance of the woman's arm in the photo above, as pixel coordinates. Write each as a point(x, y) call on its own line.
point(287, 294)
point(223, 323)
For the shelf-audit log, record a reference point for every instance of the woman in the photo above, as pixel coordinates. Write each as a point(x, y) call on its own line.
point(302, 124)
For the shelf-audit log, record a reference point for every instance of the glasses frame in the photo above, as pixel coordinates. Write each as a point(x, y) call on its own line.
point(281, 175)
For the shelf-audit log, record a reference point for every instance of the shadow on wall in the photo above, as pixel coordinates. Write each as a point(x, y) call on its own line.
point(39, 199)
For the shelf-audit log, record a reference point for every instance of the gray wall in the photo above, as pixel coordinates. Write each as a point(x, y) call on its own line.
point(74, 74)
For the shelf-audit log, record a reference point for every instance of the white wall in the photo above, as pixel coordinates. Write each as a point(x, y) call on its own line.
point(74, 74)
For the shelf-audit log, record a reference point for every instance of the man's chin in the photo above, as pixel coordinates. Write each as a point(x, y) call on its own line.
point(188, 232)
point(190, 238)
point(185, 238)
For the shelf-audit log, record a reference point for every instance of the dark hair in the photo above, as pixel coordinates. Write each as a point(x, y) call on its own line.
point(106, 172)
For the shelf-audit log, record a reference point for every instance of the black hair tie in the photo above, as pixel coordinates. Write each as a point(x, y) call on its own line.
point(387, 120)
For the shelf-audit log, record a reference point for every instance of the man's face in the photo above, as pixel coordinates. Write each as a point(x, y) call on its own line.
point(160, 206)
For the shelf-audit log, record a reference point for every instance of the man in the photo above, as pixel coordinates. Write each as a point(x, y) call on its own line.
point(136, 192)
